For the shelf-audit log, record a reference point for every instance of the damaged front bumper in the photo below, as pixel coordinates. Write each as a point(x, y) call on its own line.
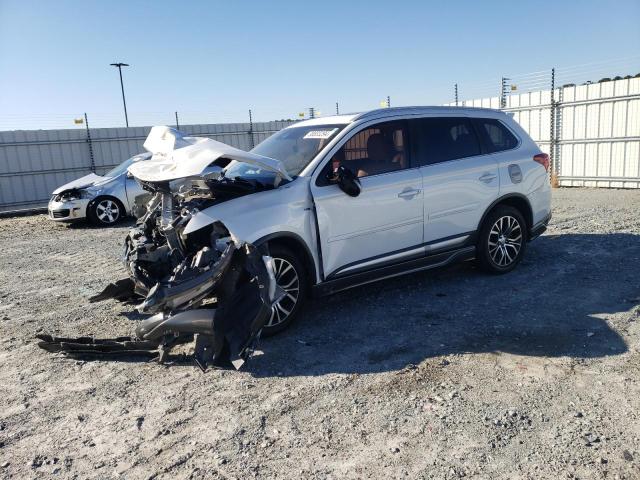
point(60, 210)
point(195, 284)
point(208, 287)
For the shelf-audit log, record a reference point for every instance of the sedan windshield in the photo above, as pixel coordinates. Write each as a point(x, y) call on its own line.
point(120, 169)
point(295, 147)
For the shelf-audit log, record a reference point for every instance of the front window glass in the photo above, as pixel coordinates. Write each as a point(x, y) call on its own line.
point(381, 148)
point(295, 147)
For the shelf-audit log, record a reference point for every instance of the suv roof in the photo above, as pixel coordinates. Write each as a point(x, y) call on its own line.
point(391, 112)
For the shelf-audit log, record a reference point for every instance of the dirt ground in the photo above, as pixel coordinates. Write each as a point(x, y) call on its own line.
point(443, 374)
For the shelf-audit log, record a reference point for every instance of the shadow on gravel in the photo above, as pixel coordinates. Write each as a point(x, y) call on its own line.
point(85, 224)
point(553, 305)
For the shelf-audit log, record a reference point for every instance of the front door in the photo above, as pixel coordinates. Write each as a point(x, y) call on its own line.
point(384, 222)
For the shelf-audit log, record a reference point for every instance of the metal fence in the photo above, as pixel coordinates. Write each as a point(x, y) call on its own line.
point(591, 131)
point(34, 162)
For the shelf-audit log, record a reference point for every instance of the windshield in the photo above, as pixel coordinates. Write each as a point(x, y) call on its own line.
point(120, 169)
point(295, 147)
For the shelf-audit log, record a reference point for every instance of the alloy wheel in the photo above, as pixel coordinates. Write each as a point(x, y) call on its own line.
point(288, 280)
point(505, 241)
point(107, 211)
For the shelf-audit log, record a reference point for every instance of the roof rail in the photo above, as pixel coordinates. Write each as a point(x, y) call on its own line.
point(391, 111)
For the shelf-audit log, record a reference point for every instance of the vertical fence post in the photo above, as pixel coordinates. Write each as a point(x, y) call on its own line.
point(251, 141)
point(558, 130)
point(92, 166)
point(503, 92)
point(177, 122)
point(552, 121)
point(455, 90)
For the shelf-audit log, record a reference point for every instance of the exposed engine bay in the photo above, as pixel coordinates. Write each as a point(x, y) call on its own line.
point(206, 285)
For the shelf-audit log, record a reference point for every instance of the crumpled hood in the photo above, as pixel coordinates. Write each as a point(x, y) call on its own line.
point(176, 156)
point(82, 182)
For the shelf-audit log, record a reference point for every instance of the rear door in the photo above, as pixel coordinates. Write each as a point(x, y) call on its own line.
point(385, 222)
point(460, 181)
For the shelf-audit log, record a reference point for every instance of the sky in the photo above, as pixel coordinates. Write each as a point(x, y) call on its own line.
point(212, 61)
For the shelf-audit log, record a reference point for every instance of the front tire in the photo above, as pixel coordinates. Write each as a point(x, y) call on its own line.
point(292, 278)
point(502, 241)
point(105, 211)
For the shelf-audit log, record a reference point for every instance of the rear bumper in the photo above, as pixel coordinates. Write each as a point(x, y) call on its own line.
point(539, 228)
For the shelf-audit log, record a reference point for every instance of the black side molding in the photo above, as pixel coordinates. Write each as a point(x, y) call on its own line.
point(397, 269)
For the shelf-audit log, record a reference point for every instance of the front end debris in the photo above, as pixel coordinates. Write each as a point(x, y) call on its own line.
point(205, 286)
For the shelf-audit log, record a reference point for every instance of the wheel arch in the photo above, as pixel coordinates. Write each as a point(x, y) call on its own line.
point(516, 200)
point(296, 244)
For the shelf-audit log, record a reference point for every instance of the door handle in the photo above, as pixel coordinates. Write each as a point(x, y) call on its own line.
point(409, 193)
point(487, 177)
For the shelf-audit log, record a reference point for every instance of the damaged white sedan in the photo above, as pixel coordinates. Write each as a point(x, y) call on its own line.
point(328, 204)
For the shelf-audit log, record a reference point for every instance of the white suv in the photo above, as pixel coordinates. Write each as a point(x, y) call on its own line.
point(346, 200)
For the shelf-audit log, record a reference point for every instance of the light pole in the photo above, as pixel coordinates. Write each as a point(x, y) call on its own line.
point(124, 102)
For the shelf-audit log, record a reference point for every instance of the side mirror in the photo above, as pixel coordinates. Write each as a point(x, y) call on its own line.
point(346, 180)
point(128, 174)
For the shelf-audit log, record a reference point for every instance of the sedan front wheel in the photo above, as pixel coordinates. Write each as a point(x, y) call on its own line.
point(105, 211)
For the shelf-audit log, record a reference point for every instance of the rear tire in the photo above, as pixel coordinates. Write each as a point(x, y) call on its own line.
point(105, 211)
point(292, 277)
point(502, 241)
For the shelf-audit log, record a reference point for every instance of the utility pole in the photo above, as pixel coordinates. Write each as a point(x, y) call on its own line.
point(388, 101)
point(312, 112)
point(124, 102)
point(177, 122)
point(337, 109)
point(455, 88)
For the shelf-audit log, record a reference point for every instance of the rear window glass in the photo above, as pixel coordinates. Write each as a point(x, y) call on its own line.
point(441, 139)
point(497, 137)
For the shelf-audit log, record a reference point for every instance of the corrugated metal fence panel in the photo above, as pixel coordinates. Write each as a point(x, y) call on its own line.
point(33, 163)
point(598, 134)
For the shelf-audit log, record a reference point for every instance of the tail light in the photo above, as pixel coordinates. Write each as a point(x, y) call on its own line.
point(542, 159)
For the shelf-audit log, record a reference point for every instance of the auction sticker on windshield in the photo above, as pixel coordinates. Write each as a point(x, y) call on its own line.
point(320, 134)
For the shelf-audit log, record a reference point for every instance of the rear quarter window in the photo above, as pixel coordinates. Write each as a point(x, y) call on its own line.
point(495, 135)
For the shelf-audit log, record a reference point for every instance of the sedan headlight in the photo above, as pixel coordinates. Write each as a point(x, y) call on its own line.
point(71, 195)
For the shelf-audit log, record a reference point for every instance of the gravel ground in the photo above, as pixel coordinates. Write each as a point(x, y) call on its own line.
point(445, 374)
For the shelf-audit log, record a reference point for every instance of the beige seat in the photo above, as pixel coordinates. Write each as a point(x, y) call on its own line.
point(380, 156)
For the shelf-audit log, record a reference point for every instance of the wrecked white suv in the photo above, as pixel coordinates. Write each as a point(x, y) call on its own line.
point(346, 200)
